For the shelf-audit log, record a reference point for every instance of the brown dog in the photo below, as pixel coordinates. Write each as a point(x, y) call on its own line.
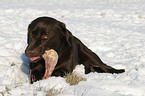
point(45, 33)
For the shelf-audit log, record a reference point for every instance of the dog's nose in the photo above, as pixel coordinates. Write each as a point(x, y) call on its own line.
point(29, 53)
point(34, 52)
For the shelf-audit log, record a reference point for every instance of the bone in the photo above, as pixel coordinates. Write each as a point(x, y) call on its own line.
point(51, 58)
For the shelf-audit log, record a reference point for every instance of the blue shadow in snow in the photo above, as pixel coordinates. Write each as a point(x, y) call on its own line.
point(25, 64)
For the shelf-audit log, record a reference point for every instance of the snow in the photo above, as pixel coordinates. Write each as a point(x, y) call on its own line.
point(113, 29)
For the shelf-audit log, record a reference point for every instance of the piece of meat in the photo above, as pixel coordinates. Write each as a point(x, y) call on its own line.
point(51, 58)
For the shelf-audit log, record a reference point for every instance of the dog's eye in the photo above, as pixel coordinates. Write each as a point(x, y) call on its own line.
point(30, 33)
point(44, 37)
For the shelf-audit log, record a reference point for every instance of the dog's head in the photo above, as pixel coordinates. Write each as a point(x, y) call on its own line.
point(45, 33)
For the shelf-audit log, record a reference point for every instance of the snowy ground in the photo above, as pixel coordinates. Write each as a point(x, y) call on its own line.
point(114, 29)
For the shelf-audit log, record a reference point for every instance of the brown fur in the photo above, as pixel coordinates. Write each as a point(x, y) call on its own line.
point(71, 51)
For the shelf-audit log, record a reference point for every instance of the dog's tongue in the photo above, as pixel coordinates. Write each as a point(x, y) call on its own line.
point(34, 58)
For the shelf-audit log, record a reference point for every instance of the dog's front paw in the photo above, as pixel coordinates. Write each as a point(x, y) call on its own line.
point(31, 77)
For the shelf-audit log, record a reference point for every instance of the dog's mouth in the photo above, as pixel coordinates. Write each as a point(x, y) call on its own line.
point(51, 58)
point(34, 58)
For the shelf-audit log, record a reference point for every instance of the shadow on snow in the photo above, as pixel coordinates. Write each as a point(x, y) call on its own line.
point(25, 64)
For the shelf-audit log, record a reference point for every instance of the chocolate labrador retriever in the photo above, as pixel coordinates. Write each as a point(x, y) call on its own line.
point(45, 33)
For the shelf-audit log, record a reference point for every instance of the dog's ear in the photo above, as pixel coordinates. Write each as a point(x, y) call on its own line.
point(65, 33)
